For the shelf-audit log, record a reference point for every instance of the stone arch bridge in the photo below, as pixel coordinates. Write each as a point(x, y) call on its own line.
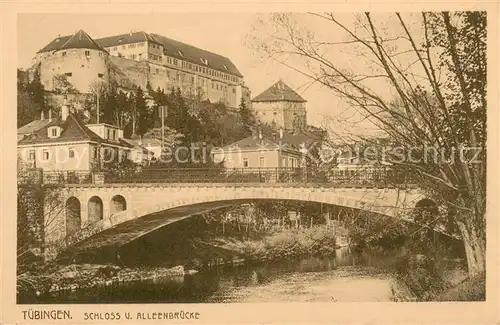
point(96, 216)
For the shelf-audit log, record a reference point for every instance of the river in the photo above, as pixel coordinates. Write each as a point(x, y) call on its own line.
point(343, 277)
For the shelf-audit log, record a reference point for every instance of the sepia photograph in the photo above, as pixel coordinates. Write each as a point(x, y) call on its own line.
point(312, 157)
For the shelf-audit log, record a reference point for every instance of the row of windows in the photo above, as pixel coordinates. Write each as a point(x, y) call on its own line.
point(46, 154)
point(180, 77)
point(71, 153)
point(154, 57)
point(87, 53)
point(130, 46)
point(262, 162)
point(111, 134)
point(70, 74)
point(207, 71)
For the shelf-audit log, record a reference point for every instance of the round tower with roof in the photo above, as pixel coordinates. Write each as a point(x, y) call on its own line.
point(281, 107)
point(77, 59)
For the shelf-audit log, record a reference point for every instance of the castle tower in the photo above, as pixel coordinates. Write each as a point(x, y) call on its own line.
point(77, 59)
point(280, 106)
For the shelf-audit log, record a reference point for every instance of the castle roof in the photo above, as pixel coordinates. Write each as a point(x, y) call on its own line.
point(279, 92)
point(196, 55)
point(129, 38)
point(80, 40)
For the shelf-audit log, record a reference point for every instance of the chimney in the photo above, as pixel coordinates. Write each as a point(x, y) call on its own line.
point(260, 134)
point(42, 115)
point(281, 133)
point(64, 111)
point(50, 114)
point(275, 136)
point(86, 113)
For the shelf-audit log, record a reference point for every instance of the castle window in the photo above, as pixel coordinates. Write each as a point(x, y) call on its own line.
point(32, 155)
point(87, 53)
point(63, 53)
point(100, 75)
point(213, 85)
point(245, 162)
point(108, 133)
point(114, 134)
point(234, 90)
point(175, 61)
point(45, 155)
point(68, 74)
point(71, 153)
point(100, 54)
point(192, 79)
point(133, 56)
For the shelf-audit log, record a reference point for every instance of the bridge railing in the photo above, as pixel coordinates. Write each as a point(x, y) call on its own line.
point(372, 176)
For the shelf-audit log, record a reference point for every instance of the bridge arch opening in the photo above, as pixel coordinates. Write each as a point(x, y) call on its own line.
point(73, 215)
point(95, 209)
point(118, 204)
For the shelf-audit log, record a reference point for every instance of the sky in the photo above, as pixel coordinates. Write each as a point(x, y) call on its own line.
point(222, 33)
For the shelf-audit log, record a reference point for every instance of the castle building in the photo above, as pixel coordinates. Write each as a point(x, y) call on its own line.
point(138, 58)
point(281, 107)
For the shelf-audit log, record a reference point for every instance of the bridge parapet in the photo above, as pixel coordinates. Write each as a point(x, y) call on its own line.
point(370, 177)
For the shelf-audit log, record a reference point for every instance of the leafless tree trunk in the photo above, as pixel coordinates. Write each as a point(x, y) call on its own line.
point(436, 73)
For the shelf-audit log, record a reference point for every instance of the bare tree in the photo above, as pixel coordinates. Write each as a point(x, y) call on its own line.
point(98, 88)
point(419, 78)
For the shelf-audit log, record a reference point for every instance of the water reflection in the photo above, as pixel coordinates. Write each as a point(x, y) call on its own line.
point(346, 276)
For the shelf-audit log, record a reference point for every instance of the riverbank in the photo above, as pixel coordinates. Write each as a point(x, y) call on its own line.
point(74, 277)
point(285, 244)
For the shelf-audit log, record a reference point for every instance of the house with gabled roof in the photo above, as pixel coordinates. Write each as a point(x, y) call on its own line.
point(281, 107)
point(66, 143)
point(277, 150)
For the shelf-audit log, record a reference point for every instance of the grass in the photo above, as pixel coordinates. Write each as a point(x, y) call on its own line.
point(472, 289)
point(288, 243)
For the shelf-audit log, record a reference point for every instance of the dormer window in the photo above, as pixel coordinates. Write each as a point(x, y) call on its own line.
point(180, 53)
point(54, 132)
point(205, 61)
point(225, 66)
